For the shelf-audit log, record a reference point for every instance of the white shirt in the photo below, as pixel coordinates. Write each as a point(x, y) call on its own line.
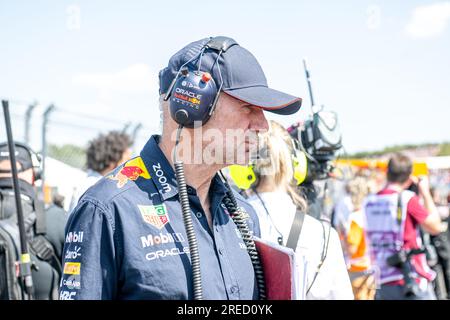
point(91, 178)
point(332, 281)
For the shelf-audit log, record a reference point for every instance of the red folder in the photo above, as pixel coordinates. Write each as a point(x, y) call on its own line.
point(278, 264)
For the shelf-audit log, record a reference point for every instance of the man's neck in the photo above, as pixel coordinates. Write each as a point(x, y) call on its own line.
point(394, 186)
point(198, 176)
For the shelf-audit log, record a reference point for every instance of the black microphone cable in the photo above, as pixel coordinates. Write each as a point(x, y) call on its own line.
point(187, 218)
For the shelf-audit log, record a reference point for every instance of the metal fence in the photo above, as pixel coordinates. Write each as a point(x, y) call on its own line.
point(64, 134)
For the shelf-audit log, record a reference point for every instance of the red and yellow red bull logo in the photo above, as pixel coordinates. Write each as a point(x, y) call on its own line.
point(191, 100)
point(132, 170)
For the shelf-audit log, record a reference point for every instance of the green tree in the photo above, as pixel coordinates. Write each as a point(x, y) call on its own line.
point(445, 149)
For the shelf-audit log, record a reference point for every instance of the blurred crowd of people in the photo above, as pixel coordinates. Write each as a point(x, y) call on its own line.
point(422, 234)
point(393, 217)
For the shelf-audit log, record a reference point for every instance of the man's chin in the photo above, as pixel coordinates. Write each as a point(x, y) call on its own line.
point(238, 157)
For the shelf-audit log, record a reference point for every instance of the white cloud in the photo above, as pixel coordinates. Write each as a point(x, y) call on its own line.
point(429, 21)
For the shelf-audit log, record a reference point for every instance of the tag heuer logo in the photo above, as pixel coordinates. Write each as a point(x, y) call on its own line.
point(155, 215)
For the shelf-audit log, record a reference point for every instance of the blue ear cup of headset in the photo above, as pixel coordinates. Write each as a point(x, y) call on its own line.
point(193, 97)
point(194, 93)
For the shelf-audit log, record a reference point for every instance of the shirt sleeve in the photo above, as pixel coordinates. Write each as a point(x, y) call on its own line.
point(416, 210)
point(89, 259)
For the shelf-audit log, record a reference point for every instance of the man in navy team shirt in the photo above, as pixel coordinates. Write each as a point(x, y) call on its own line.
point(126, 238)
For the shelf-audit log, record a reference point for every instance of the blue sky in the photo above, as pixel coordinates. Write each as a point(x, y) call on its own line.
point(383, 66)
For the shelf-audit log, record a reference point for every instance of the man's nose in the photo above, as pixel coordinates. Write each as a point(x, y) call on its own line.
point(259, 121)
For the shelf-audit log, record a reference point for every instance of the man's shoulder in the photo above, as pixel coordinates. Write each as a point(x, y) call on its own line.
point(127, 181)
point(409, 195)
point(382, 196)
point(104, 191)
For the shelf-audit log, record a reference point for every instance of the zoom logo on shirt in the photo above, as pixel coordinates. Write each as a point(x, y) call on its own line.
point(161, 177)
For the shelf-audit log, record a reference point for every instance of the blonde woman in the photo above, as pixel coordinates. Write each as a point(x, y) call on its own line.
point(276, 201)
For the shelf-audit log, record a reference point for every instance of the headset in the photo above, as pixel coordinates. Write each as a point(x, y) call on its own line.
point(193, 92)
point(299, 162)
point(246, 177)
point(36, 160)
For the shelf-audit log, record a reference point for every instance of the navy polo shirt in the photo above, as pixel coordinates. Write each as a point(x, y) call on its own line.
point(126, 238)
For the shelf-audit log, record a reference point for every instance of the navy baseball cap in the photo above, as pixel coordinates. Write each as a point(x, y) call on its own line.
point(243, 77)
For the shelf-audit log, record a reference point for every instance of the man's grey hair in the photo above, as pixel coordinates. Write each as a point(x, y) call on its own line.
point(163, 112)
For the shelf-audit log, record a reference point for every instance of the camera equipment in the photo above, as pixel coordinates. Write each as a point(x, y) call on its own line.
point(414, 188)
point(319, 137)
point(401, 260)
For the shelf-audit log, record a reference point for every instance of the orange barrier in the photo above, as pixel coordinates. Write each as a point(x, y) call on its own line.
point(419, 168)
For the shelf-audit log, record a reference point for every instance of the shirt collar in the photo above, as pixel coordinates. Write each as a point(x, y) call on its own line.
point(217, 186)
point(160, 170)
point(163, 175)
point(217, 192)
